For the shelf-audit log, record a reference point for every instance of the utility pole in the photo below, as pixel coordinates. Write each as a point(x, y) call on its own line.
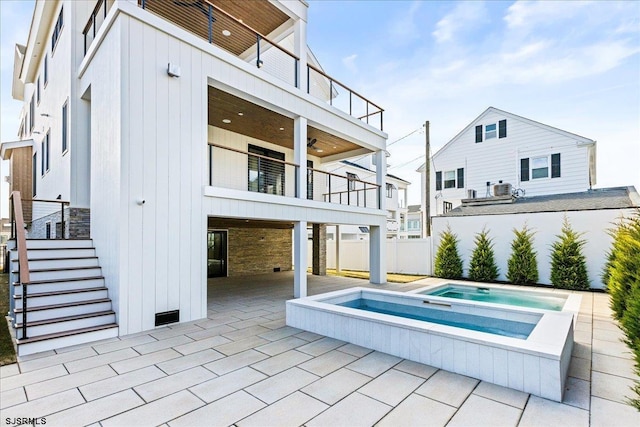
point(427, 189)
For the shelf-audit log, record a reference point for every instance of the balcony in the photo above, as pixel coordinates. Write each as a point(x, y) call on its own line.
point(247, 30)
point(262, 170)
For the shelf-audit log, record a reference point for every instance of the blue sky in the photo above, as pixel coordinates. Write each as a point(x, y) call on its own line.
point(572, 65)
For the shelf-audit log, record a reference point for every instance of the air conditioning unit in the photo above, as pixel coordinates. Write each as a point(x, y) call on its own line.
point(502, 190)
point(471, 194)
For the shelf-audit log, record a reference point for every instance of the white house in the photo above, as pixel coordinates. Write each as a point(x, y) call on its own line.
point(190, 140)
point(414, 222)
point(394, 194)
point(499, 147)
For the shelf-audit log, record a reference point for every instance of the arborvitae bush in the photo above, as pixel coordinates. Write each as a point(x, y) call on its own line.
point(482, 267)
point(448, 263)
point(568, 264)
point(624, 286)
point(618, 291)
point(522, 265)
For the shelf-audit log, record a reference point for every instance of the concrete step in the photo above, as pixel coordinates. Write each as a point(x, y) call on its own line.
point(62, 262)
point(65, 324)
point(63, 310)
point(61, 285)
point(40, 299)
point(66, 339)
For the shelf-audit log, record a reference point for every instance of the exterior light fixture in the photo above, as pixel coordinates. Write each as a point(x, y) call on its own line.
point(227, 121)
point(241, 114)
point(259, 63)
point(281, 128)
point(226, 33)
point(173, 70)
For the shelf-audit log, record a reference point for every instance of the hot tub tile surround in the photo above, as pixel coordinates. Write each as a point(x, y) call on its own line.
point(537, 365)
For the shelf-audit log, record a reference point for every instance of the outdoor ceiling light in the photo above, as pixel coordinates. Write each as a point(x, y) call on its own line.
point(281, 128)
point(226, 33)
point(241, 114)
point(227, 121)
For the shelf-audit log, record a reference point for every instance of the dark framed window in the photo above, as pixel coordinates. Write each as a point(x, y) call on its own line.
point(447, 207)
point(32, 114)
point(309, 180)
point(46, 70)
point(266, 175)
point(460, 183)
point(555, 165)
point(389, 190)
point(524, 169)
point(540, 167)
point(42, 156)
point(57, 30)
point(47, 149)
point(438, 180)
point(490, 131)
point(502, 129)
point(65, 127)
point(38, 91)
point(478, 133)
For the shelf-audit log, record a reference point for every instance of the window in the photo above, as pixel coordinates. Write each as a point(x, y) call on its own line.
point(57, 30)
point(352, 183)
point(413, 224)
point(34, 174)
point(46, 70)
point(65, 125)
point(364, 229)
point(538, 167)
point(47, 230)
point(309, 180)
point(38, 91)
point(460, 178)
point(438, 181)
point(32, 114)
point(390, 188)
point(44, 154)
point(490, 131)
point(447, 206)
point(266, 176)
point(450, 179)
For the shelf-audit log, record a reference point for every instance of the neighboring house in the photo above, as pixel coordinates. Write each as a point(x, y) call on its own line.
point(190, 140)
point(414, 222)
point(394, 194)
point(498, 147)
point(591, 213)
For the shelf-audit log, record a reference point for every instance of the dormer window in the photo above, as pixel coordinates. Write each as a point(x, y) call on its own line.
point(491, 130)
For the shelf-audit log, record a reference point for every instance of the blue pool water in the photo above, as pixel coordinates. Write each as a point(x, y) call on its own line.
point(500, 296)
point(508, 328)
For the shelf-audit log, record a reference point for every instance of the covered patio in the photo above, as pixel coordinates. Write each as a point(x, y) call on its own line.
point(243, 366)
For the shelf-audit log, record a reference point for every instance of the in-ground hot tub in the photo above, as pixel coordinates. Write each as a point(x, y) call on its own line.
point(526, 350)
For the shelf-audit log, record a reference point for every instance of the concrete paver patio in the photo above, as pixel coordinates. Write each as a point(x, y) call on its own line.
point(243, 366)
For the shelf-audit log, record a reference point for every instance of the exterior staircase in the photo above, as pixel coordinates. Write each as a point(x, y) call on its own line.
point(67, 301)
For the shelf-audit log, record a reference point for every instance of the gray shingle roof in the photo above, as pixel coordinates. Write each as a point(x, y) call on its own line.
point(601, 198)
point(413, 208)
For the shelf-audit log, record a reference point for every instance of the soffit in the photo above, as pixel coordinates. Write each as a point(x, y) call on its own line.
point(245, 223)
point(267, 125)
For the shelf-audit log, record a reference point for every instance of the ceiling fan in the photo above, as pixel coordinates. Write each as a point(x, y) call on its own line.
point(311, 144)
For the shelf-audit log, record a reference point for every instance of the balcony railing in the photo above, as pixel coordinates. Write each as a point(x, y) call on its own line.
point(241, 170)
point(218, 27)
point(95, 21)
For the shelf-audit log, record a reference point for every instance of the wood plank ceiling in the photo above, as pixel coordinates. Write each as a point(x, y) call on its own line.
point(227, 33)
point(215, 222)
point(249, 119)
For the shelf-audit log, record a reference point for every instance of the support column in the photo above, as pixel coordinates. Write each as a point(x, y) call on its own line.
point(300, 155)
point(300, 50)
point(338, 268)
point(300, 259)
point(377, 254)
point(380, 159)
point(319, 264)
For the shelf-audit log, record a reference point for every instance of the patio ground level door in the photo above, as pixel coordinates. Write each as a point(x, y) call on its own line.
point(216, 253)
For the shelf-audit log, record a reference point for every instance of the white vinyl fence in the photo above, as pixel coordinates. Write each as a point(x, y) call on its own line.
point(407, 256)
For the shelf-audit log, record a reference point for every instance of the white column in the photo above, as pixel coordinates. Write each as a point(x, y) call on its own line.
point(300, 155)
point(300, 50)
point(381, 175)
point(377, 254)
point(300, 259)
point(337, 237)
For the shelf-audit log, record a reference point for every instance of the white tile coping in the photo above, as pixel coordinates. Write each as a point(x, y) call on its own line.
point(571, 304)
point(536, 365)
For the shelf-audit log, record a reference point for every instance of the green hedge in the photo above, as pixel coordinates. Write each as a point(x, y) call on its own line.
point(448, 263)
point(568, 264)
point(523, 264)
point(482, 267)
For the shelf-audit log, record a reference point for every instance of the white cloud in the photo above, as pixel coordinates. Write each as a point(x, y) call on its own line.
point(529, 14)
point(403, 28)
point(350, 63)
point(465, 16)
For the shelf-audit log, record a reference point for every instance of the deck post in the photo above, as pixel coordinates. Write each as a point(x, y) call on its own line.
point(377, 254)
point(300, 259)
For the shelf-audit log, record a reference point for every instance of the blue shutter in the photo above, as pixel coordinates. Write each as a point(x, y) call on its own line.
point(524, 169)
point(439, 180)
point(461, 178)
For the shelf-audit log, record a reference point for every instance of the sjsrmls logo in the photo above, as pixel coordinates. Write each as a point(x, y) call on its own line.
point(26, 421)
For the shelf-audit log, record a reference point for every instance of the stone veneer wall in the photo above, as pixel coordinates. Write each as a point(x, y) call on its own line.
point(79, 223)
point(319, 248)
point(76, 224)
point(259, 250)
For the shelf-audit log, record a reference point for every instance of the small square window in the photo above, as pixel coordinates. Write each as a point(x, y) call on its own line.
point(490, 131)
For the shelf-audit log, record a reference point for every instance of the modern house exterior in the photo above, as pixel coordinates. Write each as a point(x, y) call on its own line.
point(414, 222)
point(188, 140)
point(394, 195)
point(500, 153)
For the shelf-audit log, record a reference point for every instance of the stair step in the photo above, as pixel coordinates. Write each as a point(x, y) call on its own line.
point(63, 273)
point(61, 284)
point(39, 299)
point(67, 323)
point(59, 243)
point(61, 262)
point(41, 343)
point(58, 253)
point(61, 310)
